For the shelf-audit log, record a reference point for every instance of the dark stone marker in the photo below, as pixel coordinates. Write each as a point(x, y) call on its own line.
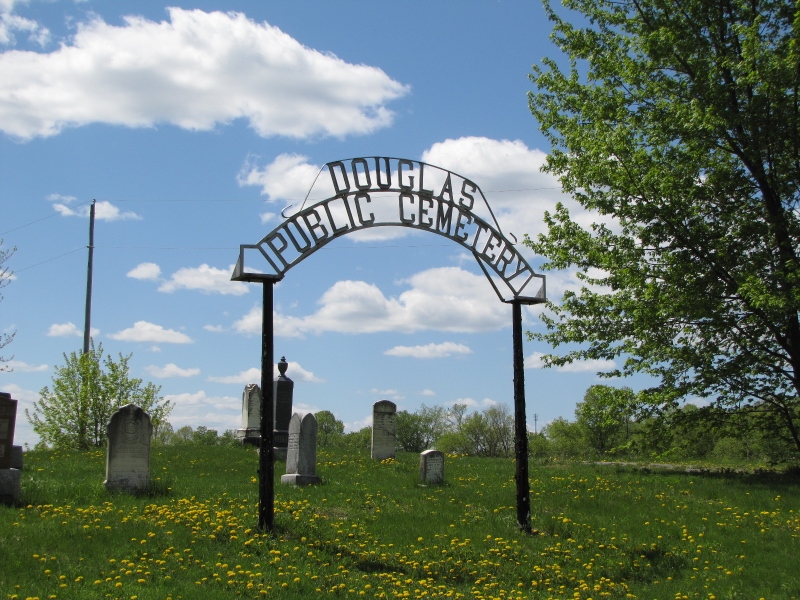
point(8, 418)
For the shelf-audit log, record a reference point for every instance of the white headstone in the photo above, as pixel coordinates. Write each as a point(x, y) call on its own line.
point(128, 454)
point(301, 455)
point(384, 429)
point(250, 430)
point(431, 466)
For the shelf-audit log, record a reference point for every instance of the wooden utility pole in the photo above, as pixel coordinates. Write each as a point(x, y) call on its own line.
point(87, 327)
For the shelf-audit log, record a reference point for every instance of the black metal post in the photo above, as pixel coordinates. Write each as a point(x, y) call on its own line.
point(87, 326)
point(520, 424)
point(266, 453)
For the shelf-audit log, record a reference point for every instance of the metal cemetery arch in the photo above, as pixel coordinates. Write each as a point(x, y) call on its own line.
point(366, 192)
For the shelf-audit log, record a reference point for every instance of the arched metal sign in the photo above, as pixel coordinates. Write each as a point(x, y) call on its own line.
point(360, 193)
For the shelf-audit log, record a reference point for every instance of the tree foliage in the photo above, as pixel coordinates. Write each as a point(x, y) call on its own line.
point(678, 123)
point(329, 428)
point(5, 278)
point(86, 392)
point(603, 415)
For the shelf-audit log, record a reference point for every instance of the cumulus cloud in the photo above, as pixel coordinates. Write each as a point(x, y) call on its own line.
point(534, 361)
point(11, 23)
point(441, 299)
point(472, 403)
point(287, 177)
point(427, 393)
point(142, 331)
point(19, 366)
point(206, 279)
point(442, 350)
point(171, 370)
point(103, 210)
point(198, 408)
point(146, 270)
point(196, 70)
point(294, 371)
point(68, 329)
point(508, 173)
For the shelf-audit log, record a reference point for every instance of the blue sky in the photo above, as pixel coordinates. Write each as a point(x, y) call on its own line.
point(194, 125)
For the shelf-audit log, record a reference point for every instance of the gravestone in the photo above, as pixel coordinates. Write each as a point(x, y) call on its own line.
point(282, 392)
point(128, 454)
point(16, 457)
point(384, 429)
point(8, 418)
point(431, 466)
point(250, 431)
point(10, 477)
point(301, 456)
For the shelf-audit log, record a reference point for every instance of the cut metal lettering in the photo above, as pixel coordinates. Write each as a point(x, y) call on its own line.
point(419, 196)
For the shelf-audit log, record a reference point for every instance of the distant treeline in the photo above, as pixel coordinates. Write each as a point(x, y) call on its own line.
point(609, 424)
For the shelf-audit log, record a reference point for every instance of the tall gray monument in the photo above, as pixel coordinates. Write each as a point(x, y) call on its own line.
point(384, 429)
point(128, 455)
point(250, 431)
point(301, 457)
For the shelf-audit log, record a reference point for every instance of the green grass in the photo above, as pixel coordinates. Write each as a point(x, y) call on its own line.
point(370, 530)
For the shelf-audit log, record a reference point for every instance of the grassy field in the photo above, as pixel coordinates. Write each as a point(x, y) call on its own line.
point(370, 530)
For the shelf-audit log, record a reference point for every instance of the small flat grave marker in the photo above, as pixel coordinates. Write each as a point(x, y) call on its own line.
point(431, 466)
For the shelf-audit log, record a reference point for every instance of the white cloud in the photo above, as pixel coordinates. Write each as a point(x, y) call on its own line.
point(508, 173)
point(147, 270)
point(171, 370)
point(194, 71)
point(357, 425)
point(206, 279)
point(427, 393)
point(142, 331)
point(441, 299)
point(214, 412)
point(294, 371)
point(288, 177)
point(10, 23)
point(19, 366)
point(534, 361)
point(393, 395)
point(214, 328)
point(103, 210)
point(442, 350)
point(67, 329)
point(472, 403)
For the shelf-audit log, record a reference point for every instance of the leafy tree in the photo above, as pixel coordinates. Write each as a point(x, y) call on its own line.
point(84, 396)
point(678, 124)
point(409, 431)
point(603, 415)
point(5, 278)
point(567, 440)
point(329, 428)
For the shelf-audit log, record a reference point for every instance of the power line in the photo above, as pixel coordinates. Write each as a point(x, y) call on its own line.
point(48, 260)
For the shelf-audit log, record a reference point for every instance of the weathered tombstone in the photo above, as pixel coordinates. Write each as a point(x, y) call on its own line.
point(8, 418)
point(250, 431)
point(384, 429)
point(9, 476)
point(16, 457)
point(283, 390)
point(128, 454)
point(301, 457)
point(431, 466)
